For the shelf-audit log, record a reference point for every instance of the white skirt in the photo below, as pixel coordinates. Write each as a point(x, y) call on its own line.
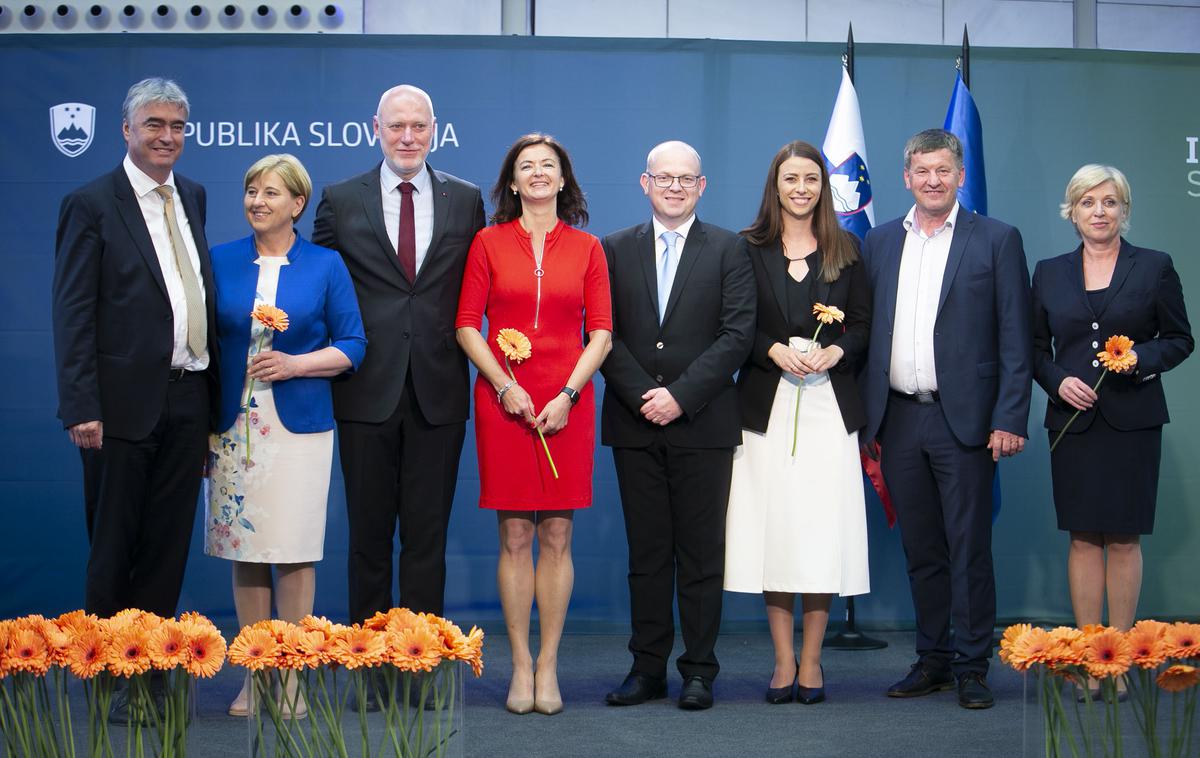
point(798, 523)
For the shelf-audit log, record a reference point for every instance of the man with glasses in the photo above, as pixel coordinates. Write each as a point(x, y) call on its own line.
point(683, 315)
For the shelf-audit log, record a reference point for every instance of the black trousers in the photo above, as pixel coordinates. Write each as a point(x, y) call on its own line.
point(401, 471)
point(942, 491)
point(674, 500)
point(140, 500)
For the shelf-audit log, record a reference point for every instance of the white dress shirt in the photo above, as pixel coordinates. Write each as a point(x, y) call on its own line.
point(660, 247)
point(152, 205)
point(922, 266)
point(389, 182)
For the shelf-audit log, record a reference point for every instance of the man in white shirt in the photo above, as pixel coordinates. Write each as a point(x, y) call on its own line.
point(135, 355)
point(947, 387)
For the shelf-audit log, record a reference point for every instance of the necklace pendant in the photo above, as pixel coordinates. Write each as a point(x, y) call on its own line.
point(538, 272)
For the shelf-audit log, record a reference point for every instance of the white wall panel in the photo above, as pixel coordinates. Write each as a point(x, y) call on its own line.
point(603, 18)
point(1011, 23)
point(720, 19)
point(1166, 29)
point(442, 17)
point(913, 21)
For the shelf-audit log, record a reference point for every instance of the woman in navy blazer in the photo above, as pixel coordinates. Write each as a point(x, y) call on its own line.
point(269, 466)
point(1105, 469)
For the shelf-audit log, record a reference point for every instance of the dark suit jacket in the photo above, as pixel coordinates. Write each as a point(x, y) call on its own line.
point(981, 339)
point(1144, 302)
point(113, 327)
point(409, 325)
point(704, 338)
point(759, 378)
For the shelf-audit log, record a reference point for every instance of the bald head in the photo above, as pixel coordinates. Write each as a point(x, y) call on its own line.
point(673, 164)
point(406, 128)
point(405, 91)
point(674, 151)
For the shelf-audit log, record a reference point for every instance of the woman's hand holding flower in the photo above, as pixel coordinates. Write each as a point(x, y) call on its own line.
point(517, 402)
point(788, 359)
point(822, 358)
point(1077, 393)
point(553, 417)
point(274, 366)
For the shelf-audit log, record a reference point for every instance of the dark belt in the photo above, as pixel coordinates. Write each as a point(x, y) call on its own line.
point(924, 398)
point(177, 374)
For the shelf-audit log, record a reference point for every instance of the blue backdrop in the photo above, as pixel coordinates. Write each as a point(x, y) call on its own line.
point(609, 101)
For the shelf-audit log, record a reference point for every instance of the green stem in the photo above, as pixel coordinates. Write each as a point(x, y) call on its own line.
point(549, 458)
point(250, 395)
point(1075, 415)
point(800, 390)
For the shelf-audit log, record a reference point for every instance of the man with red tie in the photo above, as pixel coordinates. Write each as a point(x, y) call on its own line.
point(403, 230)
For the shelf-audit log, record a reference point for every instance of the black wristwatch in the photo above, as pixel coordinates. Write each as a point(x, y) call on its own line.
point(572, 394)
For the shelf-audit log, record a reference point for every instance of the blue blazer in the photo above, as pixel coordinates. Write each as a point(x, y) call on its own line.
point(1144, 302)
point(981, 338)
point(316, 292)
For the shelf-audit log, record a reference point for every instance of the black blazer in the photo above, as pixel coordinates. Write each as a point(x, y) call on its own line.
point(409, 325)
point(851, 292)
point(704, 338)
point(113, 326)
point(1144, 302)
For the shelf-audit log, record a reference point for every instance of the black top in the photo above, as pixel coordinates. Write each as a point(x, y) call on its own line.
point(801, 320)
point(1096, 299)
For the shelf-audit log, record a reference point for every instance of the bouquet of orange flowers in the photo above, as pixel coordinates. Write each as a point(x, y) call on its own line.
point(826, 314)
point(272, 319)
point(409, 661)
point(1118, 356)
point(1153, 657)
point(99, 652)
point(516, 347)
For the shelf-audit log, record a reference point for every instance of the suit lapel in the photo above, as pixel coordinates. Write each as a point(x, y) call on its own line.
point(889, 273)
point(645, 254)
point(1075, 278)
point(372, 200)
point(817, 286)
point(441, 215)
point(135, 222)
point(1120, 273)
point(965, 224)
point(693, 248)
point(776, 267)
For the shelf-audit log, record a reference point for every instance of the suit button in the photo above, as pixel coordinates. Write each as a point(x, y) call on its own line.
point(167, 317)
point(658, 378)
point(1095, 344)
point(658, 345)
point(406, 335)
point(1095, 326)
point(1095, 364)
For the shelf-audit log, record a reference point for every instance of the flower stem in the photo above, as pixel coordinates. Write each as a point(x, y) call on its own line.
point(250, 395)
point(1075, 415)
point(550, 458)
point(800, 389)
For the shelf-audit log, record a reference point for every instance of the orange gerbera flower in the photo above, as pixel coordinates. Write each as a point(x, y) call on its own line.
point(1107, 653)
point(129, 652)
point(27, 650)
point(357, 646)
point(514, 344)
point(1179, 677)
point(1068, 646)
point(294, 649)
point(77, 621)
point(1011, 634)
point(168, 645)
point(827, 314)
point(57, 640)
point(1146, 644)
point(318, 624)
point(270, 317)
point(1182, 640)
point(206, 649)
point(1118, 354)
point(418, 648)
point(255, 648)
point(88, 653)
point(275, 627)
point(1032, 647)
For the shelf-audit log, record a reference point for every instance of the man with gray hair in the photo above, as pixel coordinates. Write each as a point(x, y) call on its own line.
point(403, 230)
point(683, 314)
point(946, 386)
point(134, 347)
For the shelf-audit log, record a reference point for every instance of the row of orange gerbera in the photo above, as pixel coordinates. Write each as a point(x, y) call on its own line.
point(409, 641)
point(1107, 652)
point(131, 642)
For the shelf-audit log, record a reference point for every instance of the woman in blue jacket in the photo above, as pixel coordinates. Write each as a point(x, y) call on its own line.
point(269, 467)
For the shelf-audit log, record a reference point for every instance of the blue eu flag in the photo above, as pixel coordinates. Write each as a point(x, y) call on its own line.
point(962, 120)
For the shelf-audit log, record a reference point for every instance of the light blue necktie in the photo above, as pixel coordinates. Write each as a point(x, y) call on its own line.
point(666, 272)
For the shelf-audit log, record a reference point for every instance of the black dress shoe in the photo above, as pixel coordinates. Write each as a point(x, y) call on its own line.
point(637, 689)
point(922, 680)
point(973, 691)
point(810, 695)
point(696, 694)
point(784, 694)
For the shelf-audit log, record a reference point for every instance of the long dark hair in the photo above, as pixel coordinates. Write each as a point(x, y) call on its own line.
point(836, 244)
point(572, 206)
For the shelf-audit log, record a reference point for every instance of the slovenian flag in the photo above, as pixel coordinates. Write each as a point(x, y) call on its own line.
point(845, 153)
point(962, 120)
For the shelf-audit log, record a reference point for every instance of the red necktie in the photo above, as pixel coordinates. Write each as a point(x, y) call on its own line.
point(406, 240)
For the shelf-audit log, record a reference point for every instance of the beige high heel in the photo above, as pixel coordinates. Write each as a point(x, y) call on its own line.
point(243, 705)
point(518, 705)
point(547, 706)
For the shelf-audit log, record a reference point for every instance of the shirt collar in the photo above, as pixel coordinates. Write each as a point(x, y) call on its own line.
point(142, 183)
point(391, 180)
point(910, 221)
point(682, 230)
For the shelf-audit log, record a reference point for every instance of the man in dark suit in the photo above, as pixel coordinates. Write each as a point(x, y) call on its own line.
point(403, 230)
point(683, 316)
point(134, 351)
point(946, 387)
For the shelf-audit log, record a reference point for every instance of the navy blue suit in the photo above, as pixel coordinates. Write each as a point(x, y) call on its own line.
point(934, 456)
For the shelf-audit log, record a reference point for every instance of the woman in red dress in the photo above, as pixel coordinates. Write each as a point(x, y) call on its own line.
point(533, 272)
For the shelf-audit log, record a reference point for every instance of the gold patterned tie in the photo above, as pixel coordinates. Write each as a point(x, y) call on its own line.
point(197, 319)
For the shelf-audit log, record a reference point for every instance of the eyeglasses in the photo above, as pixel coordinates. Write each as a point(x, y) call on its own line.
point(664, 181)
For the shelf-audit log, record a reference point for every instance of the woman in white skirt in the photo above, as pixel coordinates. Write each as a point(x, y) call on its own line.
point(796, 522)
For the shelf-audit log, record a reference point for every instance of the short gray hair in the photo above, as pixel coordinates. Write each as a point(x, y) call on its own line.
point(1091, 176)
point(153, 90)
point(930, 141)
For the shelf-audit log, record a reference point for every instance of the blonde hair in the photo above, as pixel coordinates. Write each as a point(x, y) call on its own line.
point(288, 168)
point(1091, 176)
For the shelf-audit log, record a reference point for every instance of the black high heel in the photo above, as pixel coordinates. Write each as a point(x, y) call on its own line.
point(810, 695)
point(786, 693)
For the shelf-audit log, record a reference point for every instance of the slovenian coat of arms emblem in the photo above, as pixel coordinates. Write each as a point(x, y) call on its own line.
point(71, 127)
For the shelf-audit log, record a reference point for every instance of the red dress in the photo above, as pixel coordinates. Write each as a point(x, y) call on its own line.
point(500, 283)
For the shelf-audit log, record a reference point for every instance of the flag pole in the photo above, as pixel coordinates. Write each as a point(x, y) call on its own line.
point(964, 61)
point(849, 638)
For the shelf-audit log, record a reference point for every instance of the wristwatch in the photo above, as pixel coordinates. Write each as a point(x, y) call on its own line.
point(572, 394)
